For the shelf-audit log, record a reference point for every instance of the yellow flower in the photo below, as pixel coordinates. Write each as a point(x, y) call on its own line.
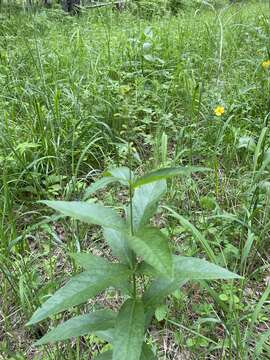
point(219, 110)
point(266, 64)
point(124, 89)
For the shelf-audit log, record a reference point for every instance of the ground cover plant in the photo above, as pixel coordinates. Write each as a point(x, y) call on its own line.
point(106, 90)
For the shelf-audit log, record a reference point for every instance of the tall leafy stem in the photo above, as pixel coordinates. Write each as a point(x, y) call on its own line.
point(142, 251)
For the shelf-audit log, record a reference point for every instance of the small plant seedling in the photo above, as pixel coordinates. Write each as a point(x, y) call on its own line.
point(146, 271)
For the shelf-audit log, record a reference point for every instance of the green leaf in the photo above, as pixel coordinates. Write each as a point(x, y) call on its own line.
point(89, 262)
point(148, 314)
point(247, 142)
point(161, 312)
point(197, 269)
point(144, 202)
point(152, 245)
point(118, 243)
point(223, 297)
point(98, 185)
point(107, 355)
point(80, 325)
point(129, 331)
point(80, 288)
point(89, 213)
point(120, 174)
point(147, 353)
point(105, 335)
point(167, 173)
point(123, 174)
point(95, 263)
point(184, 269)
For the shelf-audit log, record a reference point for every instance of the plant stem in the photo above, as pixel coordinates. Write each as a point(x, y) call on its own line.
point(131, 208)
point(131, 224)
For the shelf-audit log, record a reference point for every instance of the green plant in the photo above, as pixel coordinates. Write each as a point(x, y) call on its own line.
point(69, 88)
point(150, 8)
point(146, 272)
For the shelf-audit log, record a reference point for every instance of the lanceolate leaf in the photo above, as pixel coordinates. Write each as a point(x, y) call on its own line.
point(98, 185)
point(123, 174)
point(80, 325)
point(184, 269)
point(152, 245)
point(80, 288)
point(118, 243)
point(144, 202)
point(89, 213)
point(94, 263)
point(129, 331)
point(167, 173)
point(197, 269)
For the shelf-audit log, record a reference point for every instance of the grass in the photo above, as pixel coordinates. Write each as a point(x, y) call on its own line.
point(74, 91)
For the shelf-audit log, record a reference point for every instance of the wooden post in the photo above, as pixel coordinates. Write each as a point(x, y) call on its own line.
point(48, 3)
point(70, 5)
point(120, 5)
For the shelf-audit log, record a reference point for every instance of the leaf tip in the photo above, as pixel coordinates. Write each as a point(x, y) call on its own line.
point(239, 276)
point(31, 321)
point(45, 202)
point(39, 342)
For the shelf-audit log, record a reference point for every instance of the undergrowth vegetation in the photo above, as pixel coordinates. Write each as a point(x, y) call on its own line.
point(185, 89)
